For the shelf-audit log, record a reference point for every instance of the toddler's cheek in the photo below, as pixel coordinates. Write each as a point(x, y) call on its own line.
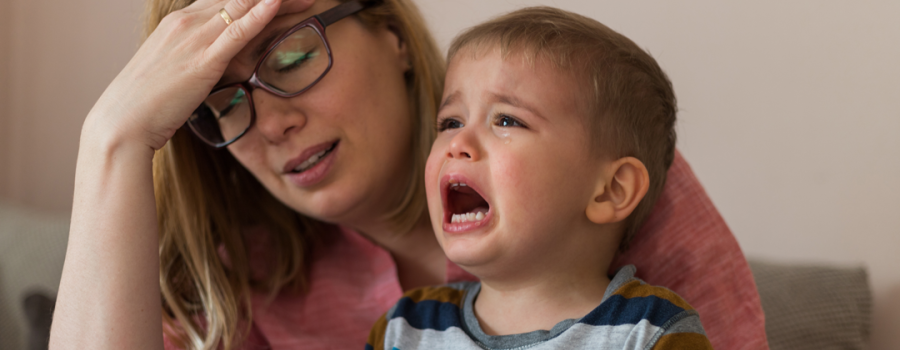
point(432, 186)
point(432, 174)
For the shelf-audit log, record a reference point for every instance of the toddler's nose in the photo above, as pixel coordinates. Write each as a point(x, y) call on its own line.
point(465, 146)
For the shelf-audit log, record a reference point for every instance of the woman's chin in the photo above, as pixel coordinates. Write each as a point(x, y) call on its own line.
point(329, 204)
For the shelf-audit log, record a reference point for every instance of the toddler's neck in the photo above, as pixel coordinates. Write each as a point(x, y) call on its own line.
point(521, 307)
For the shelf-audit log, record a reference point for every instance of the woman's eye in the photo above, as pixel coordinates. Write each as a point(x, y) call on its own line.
point(449, 123)
point(239, 97)
point(505, 120)
point(288, 61)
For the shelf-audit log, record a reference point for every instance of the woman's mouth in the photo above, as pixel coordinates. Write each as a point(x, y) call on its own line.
point(313, 160)
point(464, 207)
point(312, 165)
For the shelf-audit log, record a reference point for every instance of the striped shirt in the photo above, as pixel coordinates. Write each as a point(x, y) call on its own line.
point(632, 315)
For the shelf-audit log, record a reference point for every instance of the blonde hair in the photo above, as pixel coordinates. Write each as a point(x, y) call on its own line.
point(632, 103)
point(205, 199)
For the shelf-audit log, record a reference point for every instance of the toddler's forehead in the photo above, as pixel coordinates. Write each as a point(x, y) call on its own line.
point(537, 69)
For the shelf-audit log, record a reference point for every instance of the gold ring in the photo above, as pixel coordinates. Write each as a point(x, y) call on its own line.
point(225, 16)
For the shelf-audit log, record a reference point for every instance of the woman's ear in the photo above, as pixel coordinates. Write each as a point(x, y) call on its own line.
point(619, 190)
point(401, 46)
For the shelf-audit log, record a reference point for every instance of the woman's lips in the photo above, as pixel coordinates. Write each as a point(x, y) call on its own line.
point(309, 152)
point(318, 171)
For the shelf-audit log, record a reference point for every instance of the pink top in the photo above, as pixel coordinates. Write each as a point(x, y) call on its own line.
point(685, 245)
point(352, 283)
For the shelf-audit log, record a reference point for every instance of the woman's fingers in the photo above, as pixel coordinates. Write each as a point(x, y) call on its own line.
point(176, 67)
point(250, 17)
point(237, 9)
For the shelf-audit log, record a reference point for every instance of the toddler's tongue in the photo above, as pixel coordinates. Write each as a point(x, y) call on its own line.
point(463, 199)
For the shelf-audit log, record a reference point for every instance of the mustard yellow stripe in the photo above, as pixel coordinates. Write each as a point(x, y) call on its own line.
point(683, 341)
point(441, 294)
point(637, 289)
point(376, 336)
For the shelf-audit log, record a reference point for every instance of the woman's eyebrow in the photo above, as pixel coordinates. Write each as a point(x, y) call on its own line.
point(265, 43)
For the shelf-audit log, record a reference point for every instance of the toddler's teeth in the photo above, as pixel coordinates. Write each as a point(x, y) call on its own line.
point(467, 217)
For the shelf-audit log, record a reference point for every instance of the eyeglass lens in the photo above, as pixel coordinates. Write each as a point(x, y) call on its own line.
point(294, 64)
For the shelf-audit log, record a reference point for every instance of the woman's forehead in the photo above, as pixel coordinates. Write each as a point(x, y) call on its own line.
point(281, 23)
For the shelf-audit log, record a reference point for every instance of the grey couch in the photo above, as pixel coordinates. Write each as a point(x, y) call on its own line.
point(32, 249)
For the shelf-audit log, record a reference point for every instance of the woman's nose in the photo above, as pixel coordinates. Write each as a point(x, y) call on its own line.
point(465, 145)
point(276, 117)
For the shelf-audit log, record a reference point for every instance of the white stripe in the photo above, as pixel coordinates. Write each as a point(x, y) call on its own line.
point(401, 335)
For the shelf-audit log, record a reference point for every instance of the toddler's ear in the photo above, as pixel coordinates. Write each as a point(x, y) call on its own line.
point(619, 190)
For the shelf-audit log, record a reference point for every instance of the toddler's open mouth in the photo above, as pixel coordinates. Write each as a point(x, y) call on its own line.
point(464, 207)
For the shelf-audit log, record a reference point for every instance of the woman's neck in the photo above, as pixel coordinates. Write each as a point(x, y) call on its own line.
point(417, 254)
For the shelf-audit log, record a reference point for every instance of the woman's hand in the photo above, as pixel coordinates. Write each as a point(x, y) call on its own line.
point(175, 69)
point(109, 295)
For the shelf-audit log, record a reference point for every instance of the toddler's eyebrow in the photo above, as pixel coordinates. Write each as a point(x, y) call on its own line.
point(515, 102)
point(496, 97)
point(450, 99)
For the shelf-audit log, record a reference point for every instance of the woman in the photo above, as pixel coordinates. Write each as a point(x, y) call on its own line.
point(262, 242)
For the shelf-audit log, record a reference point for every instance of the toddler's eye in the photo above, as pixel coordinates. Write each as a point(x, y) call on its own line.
point(505, 120)
point(448, 123)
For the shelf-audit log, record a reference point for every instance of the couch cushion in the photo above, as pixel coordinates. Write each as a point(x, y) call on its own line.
point(32, 250)
point(814, 307)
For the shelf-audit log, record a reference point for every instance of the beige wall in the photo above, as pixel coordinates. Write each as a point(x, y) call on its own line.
point(4, 93)
point(790, 111)
point(59, 55)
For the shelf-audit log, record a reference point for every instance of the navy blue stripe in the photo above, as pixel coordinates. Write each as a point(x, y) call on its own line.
point(369, 347)
point(428, 314)
point(618, 310)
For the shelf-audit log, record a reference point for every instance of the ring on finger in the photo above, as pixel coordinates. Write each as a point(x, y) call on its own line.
point(224, 14)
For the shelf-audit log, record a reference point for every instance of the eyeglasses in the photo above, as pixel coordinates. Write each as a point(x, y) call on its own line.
point(295, 62)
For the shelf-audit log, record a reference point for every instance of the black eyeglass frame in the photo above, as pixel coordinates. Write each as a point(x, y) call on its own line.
point(318, 23)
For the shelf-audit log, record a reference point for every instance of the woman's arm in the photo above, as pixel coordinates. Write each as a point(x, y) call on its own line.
point(109, 295)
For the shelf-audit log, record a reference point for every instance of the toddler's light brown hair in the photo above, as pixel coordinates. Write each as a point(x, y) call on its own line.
point(630, 99)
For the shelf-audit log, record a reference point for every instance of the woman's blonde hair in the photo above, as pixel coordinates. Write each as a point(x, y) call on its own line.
point(206, 201)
